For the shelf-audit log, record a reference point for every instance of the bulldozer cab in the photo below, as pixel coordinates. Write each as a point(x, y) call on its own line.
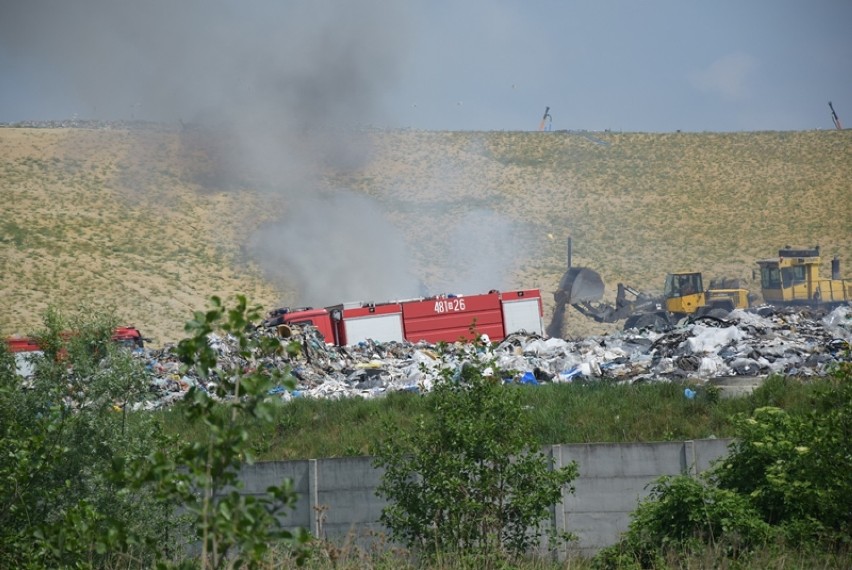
point(793, 278)
point(684, 293)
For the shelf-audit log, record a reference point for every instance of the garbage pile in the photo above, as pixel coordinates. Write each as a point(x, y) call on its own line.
point(755, 343)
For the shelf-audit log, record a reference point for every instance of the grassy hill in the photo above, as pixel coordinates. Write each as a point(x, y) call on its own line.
point(142, 220)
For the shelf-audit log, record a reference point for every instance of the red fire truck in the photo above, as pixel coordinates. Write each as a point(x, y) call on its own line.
point(443, 318)
point(128, 336)
point(21, 346)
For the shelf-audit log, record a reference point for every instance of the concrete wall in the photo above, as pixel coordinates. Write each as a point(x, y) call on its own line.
point(337, 496)
point(614, 477)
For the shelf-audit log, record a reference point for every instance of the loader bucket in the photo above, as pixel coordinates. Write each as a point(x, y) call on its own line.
point(580, 284)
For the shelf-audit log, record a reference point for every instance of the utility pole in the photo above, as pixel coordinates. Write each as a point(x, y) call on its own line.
point(835, 118)
point(546, 119)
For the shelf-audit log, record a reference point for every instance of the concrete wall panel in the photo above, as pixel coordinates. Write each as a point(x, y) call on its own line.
point(264, 474)
point(709, 450)
point(606, 494)
point(337, 496)
point(625, 459)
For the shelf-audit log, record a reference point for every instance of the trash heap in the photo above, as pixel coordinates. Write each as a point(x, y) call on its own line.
point(756, 343)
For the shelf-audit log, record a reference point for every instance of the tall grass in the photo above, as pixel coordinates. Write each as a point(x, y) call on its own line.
point(583, 412)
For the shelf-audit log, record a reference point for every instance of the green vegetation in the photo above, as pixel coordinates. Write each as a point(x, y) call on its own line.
point(86, 483)
point(785, 485)
point(580, 412)
point(467, 483)
point(61, 501)
point(84, 486)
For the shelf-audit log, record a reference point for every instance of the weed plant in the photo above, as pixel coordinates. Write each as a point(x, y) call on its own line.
point(582, 412)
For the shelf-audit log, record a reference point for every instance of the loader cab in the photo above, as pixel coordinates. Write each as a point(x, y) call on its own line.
point(682, 284)
point(684, 293)
point(774, 275)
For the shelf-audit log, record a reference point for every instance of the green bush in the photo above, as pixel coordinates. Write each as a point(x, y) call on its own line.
point(60, 437)
point(232, 529)
point(466, 480)
point(796, 469)
point(685, 514)
point(786, 479)
point(84, 484)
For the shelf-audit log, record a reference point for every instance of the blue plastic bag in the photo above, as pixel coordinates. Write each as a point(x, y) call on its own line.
point(529, 378)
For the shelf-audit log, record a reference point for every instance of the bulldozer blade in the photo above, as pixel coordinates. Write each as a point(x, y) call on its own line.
point(581, 284)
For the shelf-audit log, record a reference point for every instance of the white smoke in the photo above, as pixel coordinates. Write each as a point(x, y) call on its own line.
point(339, 249)
point(264, 86)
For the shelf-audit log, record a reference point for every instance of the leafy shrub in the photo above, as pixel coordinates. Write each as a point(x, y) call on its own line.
point(85, 485)
point(60, 436)
point(234, 530)
point(786, 478)
point(686, 514)
point(795, 469)
point(466, 479)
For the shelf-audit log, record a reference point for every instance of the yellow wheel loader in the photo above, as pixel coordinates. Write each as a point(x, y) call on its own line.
point(683, 296)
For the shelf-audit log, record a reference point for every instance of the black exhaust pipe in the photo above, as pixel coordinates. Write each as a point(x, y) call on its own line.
point(569, 252)
point(835, 268)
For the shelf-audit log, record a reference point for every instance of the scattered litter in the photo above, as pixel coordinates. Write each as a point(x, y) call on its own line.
point(748, 344)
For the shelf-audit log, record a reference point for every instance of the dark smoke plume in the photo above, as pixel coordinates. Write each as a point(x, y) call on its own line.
point(273, 81)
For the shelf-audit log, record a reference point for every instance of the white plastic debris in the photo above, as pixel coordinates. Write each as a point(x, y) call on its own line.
point(796, 343)
point(707, 340)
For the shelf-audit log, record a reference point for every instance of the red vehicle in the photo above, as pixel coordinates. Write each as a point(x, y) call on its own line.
point(20, 346)
point(129, 336)
point(446, 318)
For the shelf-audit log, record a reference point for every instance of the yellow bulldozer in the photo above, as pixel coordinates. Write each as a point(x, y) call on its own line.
point(792, 279)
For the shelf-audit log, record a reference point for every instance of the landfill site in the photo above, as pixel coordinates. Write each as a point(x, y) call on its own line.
point(468, 229)
point(691, 334)
point(152, 219)
point(694, 333)
point(734, 353)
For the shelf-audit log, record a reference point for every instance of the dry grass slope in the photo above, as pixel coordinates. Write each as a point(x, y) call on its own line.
point(127, 219)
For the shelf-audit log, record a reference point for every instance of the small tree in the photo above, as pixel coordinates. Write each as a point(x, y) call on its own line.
point(234, 530)
point(60, 435)
point(466, 480)
point(796, 469)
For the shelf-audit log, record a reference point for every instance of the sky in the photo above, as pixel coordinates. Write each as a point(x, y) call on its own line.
point(484, 65)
